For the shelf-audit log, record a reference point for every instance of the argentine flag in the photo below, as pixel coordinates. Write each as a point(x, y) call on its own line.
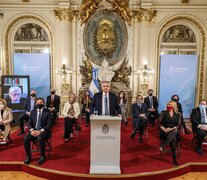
point(94, 86)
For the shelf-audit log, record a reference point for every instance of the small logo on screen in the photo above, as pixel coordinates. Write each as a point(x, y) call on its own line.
point(105, 129)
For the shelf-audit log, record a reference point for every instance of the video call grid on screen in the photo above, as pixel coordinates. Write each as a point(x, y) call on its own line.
point(15, 89)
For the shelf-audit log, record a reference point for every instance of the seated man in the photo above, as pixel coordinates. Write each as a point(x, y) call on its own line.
point(53, 104)
point(39, 124)
point(139, 115)
point(15, 95)
point(152, 105)
point(198, 119)
point(28, 107)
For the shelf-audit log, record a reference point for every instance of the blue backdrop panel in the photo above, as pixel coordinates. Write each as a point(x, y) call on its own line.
point(178, 75)
point(37, 66)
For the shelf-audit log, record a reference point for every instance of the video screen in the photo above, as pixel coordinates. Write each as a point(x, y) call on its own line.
point(15, 89)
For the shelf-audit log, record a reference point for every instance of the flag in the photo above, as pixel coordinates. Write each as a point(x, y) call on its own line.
point(94, 86)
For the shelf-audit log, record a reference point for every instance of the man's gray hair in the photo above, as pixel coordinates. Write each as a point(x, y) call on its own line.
point(15, 89)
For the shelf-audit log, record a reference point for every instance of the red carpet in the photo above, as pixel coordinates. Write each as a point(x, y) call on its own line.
point(74, 156)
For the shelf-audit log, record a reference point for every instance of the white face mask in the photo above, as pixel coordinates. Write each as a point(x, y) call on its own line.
point(1, 106)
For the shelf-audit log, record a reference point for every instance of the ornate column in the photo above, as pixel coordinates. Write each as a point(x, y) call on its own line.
point(145, 18)
point(66, 40)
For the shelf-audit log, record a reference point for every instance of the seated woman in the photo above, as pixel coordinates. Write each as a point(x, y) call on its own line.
point(180, 110)
point(71, 111)
point(123, 105)
point(169, 121)
point(86, 102)
point(6, 118)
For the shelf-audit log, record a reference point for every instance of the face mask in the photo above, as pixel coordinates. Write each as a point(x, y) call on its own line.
point(33, 95)
point(150, 94)
point(1, 106)
point(40, 106)
point(175, 100)
point(201, 106)
point(52, 92)
point(169, 108)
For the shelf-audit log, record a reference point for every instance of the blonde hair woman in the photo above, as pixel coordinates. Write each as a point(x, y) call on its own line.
point(6, 118)
point(169, 121)
point(71, 111)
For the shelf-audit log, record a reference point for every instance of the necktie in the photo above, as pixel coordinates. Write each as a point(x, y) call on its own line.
point(151, 102)
point(38, 121)
point(52, 101)
point(106, 105)
point(203, 116)
point(32, 105)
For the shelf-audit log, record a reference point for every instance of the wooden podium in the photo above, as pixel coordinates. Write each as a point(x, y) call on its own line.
point(105, 145)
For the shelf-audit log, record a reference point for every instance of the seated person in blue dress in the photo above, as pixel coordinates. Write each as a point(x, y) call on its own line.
point(139, 117)
point(198, 119)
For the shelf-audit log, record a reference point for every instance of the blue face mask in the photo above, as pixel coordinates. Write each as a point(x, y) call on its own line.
point(201, 106)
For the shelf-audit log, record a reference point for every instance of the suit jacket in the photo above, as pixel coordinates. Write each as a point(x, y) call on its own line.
point(96, 104)
point(46, 120)
point(7, 116)
point(67, 107)
point(195, 117)
point(56, 102)
point(154, 99)
point(136, 111)
point(27, 104)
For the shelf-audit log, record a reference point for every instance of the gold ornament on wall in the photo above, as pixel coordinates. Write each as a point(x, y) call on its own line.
point(121, 7)
point(144, 15)
point(66, 14)
point(105, 38)
point(88, 7)
point(86, 71)
point(123, 73)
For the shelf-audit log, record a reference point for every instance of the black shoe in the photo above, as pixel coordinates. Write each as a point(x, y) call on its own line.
point(20, 133)
point(175, 162)
point(140, 139)
point(66, 140)
point(126, 123)
point(41, 160)
point(27, 160)
point(200, 151)
point(133, 135)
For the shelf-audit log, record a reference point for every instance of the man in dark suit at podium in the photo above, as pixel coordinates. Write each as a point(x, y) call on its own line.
point(53, 104)
point(152, 105)
point(105, 102)
point(40, 123)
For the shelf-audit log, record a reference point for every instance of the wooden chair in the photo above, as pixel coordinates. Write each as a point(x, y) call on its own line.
point(167, 150)
point(77, 129)
point(48, 144)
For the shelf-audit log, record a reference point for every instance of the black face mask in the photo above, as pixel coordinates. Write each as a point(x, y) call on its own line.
point(33, 95)
point(150, 94)
point(175, 100)
point(40, 106)
point(52, 92)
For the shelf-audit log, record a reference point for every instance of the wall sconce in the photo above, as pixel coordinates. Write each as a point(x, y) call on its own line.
point(66, 80)
point(144, 73)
